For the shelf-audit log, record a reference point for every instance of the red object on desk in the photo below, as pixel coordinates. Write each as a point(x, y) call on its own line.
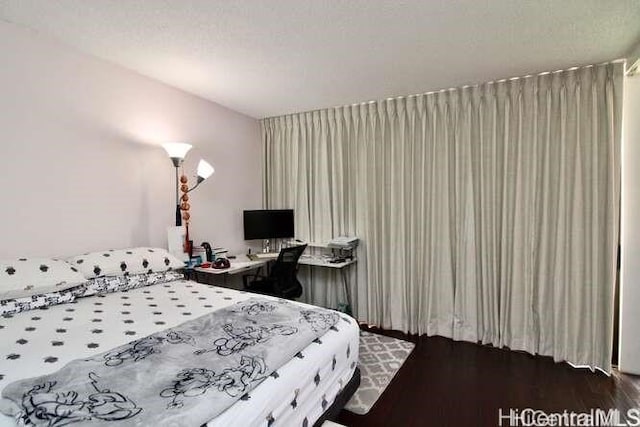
point(205, 265)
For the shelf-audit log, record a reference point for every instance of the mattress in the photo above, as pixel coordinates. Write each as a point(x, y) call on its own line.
point(41, 341)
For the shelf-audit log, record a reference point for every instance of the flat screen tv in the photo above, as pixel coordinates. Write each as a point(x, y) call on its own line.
point(268, 224)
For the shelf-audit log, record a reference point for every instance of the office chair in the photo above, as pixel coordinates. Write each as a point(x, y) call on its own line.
point(281, 281)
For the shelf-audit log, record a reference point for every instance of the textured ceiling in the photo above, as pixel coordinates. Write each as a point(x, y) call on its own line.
point(270, 57)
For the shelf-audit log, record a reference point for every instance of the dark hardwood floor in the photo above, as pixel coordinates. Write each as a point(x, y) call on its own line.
point(448, 383)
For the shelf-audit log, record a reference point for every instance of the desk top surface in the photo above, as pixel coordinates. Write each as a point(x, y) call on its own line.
point(320, 261)
point(242, 263)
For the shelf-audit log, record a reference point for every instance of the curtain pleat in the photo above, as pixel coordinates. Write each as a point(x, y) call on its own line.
point(486, 214)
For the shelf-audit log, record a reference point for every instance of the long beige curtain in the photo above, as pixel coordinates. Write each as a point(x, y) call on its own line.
point(486, 213)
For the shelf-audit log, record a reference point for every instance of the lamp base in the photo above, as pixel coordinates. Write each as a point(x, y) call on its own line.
point(178, 216)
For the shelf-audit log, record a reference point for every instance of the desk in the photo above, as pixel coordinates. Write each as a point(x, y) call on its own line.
point(269, 256)
point(243, 265)
point(319, 261)
point(323, 261)
point(236, 267)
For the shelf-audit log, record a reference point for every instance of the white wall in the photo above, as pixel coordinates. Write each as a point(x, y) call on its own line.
point(630, 230)
point(80, 165)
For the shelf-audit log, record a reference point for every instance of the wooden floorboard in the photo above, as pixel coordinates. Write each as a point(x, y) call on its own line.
point(448, 383)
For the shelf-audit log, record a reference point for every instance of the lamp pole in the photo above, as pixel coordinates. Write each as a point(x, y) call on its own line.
point(178, 213)
point(177, 161)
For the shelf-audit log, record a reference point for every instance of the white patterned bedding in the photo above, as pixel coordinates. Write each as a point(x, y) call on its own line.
point(39, 342)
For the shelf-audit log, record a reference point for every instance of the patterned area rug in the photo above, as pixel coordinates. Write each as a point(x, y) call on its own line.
point(380, 358)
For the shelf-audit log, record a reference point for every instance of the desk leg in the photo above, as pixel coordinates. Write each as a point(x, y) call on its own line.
point(347, 290)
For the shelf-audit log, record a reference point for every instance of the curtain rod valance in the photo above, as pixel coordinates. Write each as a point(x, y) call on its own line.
point(451, 89)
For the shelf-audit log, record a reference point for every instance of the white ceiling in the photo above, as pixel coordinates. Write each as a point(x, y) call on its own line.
point(271, 57)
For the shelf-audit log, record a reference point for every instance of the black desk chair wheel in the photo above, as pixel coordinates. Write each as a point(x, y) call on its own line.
point(281, 281)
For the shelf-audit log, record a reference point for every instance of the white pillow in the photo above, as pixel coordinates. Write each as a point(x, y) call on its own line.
point(23, 277)
point(123, 262)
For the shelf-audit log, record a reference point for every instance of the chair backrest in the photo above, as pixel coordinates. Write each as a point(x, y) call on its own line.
point(286, 265)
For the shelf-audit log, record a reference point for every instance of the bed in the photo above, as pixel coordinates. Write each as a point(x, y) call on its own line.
point(302, 392)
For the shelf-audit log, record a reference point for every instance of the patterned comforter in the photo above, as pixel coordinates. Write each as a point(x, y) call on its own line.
point(182, 376)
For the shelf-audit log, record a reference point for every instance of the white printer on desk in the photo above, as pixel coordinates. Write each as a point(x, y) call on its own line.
point(343, 242)
point(345, 246)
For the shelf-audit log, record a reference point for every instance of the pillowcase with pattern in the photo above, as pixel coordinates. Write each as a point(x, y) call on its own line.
point(12, 306)
point(108, 284)
point(124, 262)
point(101, 286)
point(23, 277)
